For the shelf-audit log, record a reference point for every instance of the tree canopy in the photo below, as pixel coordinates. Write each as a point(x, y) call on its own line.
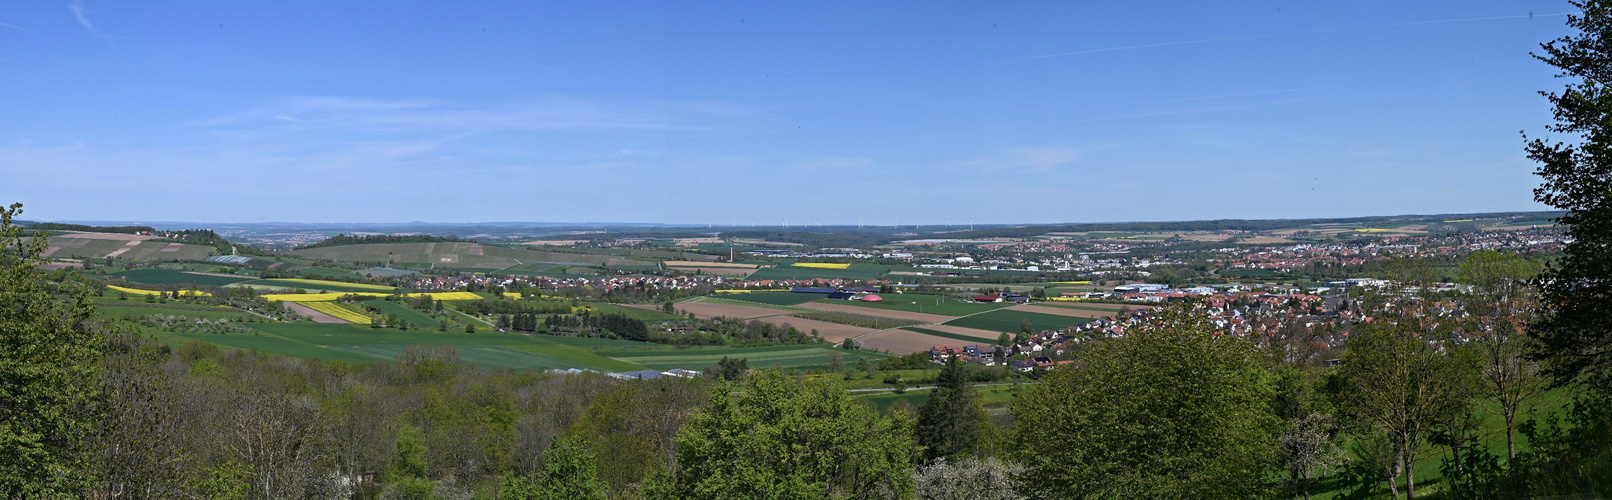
point(775, 437)
point(1170, 410)
point(1575, 328)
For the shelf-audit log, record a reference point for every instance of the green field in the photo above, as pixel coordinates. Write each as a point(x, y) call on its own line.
point(405, 312)
point(949, 335)
point(172, 277)
point(695, 358)
point(631, 312)
point(1008, 321)
point(138, 308)
point(930, 304)
point(774, 298)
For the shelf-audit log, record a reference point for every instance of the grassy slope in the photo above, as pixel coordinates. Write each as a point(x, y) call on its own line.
point(407, 313)
point(172, 277)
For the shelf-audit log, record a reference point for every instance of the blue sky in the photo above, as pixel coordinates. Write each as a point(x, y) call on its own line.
point(750, 112)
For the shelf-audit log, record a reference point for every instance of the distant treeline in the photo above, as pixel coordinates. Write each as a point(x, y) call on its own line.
point(1212, 225)
point(342, 239)
point(57, 226)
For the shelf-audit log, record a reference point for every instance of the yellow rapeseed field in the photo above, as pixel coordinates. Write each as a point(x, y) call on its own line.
point(338, 311)
point(821, 265)
point(137, 291)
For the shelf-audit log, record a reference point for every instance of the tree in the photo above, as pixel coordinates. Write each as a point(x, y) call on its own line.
point(951, 423)
point(1399, 382)
point(1575, 325)
point(1025, 327)
point(1495, 318)
point(48, 370)
point(1308, 449)
point(1004, 339)
point(569, 472)
point(834, 361)
point(968, 479)
point(1170, 410)
point(780, 438)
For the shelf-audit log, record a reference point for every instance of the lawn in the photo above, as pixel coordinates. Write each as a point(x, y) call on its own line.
point(775, 298)
point(1008, 321)
point(930, 304)
point(172, 277)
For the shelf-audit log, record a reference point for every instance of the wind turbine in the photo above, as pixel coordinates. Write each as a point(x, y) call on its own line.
point(859, 222)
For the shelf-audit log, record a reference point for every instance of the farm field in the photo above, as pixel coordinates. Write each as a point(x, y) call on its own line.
point(707, 310)
point(639, 313)
point(336, 310)
point(315, 315)
point(172, 277)
point(325, 297)
point(774, 298)
point(821, 265)
point(137, 291)
point(758, 357)
point(405, 312)
point(966, 335)
point(1008, 321)
point(116, 309)
point(927, 304)
point(847, 307)
point(1066, 311)
point(855, 271)
point(313, 285)
point(901, 341)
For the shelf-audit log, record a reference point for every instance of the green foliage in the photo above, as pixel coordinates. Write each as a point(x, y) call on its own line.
point(1171, 410)
point(779, 438)
point(569, 472)
point(1575, 329)
point(411, 461)
point(952, 423)
point(1398, 382)
point(635, 424)
point(48, 370)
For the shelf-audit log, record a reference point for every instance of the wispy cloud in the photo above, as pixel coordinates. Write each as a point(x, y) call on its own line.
point(1277, 35)
point(15, 27)
point(834, 164)
point(422, 115)
point(79, 13)
point(1039, 159)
